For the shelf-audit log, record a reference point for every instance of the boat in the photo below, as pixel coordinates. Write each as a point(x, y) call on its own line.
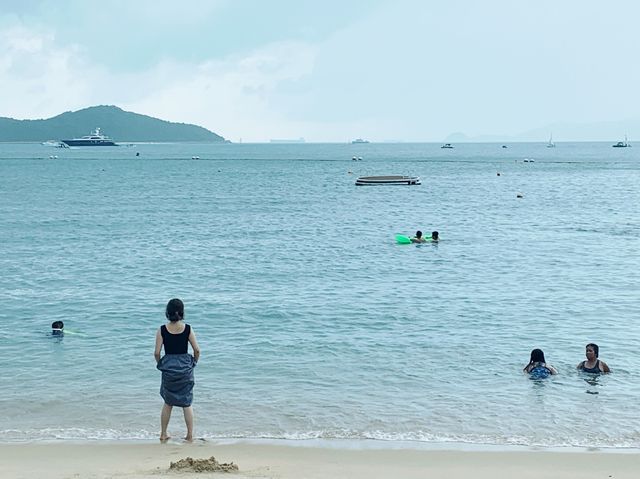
point(94, 139)
point(447, 145)
point(287, 140)
point(388, 180)
point(551, 144)
point(359, 140)
point(622, 144)
point(55, 144)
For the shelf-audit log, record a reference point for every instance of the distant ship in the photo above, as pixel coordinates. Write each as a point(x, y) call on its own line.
point(622, 144)
point(94, 139)
point(551, 144)
point(359, 140)
point(447, 145)
point(287, 140)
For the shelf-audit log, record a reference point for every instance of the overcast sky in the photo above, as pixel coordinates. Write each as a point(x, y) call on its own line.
point(412, 70)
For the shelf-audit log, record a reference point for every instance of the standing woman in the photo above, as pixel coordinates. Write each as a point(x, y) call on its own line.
point(177, 366)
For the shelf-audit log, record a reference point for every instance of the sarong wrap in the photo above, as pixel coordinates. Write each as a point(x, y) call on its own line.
point(177, 379)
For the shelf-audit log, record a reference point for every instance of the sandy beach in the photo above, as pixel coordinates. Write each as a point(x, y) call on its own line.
point(140, 461)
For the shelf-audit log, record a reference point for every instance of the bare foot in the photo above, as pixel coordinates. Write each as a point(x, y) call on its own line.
point(189, 438)
point(164, 438)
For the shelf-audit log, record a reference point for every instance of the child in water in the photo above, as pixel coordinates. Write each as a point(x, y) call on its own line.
point(538, 367)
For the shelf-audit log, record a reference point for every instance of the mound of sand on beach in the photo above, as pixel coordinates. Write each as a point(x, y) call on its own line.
point(202, 465)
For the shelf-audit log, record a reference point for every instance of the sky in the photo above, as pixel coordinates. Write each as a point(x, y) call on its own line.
point(330, 71)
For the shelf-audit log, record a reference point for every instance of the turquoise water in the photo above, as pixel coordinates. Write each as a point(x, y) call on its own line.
point(313, 323)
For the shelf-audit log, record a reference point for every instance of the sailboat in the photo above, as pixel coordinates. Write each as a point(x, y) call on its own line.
point(622, 144)
point(551, 144)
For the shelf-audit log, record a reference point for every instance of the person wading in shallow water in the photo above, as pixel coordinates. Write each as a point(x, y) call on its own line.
point(538, 367)
point(593, 364)
point(177, 366)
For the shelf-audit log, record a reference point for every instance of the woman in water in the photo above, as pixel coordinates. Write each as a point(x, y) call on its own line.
point(593, 364)
point(177, 366)
point(538, 367)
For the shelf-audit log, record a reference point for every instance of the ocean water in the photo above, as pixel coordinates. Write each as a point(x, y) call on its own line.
point(313, 323)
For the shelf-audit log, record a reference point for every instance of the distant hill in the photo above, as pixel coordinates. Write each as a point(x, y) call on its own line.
point(122, 126)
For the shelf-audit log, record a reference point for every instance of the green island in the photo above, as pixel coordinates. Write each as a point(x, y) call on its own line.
point(122, 126)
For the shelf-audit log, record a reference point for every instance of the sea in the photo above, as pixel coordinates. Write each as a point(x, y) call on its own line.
point(314, 324)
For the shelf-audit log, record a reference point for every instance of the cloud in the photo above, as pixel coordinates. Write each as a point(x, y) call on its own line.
point(410, 70)
point(230, 96)
point(39, 78)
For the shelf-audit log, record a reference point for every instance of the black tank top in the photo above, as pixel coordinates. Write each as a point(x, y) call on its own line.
point(175, 343)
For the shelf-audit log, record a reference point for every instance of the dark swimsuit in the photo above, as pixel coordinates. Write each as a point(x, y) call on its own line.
point(593, 370)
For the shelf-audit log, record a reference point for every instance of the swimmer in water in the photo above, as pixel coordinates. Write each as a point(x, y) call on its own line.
point(538, 366)
point(593, 365)
point(57, 328)
point(418, 238)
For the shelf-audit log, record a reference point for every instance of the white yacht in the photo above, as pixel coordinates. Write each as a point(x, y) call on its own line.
point(94, 139)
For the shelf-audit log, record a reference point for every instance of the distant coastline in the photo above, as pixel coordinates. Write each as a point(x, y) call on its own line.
point(122, 126)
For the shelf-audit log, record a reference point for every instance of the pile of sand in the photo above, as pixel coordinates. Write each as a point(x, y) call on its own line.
point(202, 465)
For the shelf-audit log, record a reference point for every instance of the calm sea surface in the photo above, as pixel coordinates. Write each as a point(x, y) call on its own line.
point(313, 323)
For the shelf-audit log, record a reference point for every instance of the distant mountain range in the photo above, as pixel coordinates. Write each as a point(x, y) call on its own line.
point(612, 131)
point(122, 126)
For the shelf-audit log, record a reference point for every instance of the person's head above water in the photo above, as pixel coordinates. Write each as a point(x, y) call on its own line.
point(594, 347)
point(537, 356)
point(434, 235)
point(418, 234)
point(57, 328)
point(175, 310)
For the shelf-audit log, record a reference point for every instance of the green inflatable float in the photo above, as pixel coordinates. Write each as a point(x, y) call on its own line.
point(402, 239)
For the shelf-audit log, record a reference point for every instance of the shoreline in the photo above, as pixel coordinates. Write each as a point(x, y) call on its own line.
point(335, 444)
point(142, 460)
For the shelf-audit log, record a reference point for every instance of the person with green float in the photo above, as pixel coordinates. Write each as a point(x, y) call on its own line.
point(418, 238)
